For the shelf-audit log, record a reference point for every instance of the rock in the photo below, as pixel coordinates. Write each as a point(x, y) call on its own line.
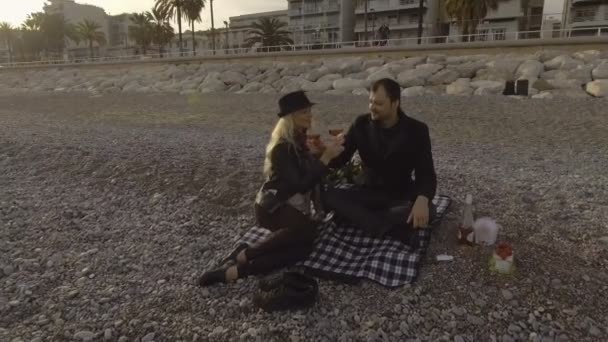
point(349, 84)
point(594, 331)
point(436, 59)
point(320, 86)
point(556, 283)
point(316, 74)
point(598, 88)
point(475, 320)
point(507, 338)
point(505, 65)
point(358, 76)
point(483, 88)
point(251, 88)
point(268, 90)
point(604, 240)
point(543, 95)
point(542, 85)
point(235, 88)
point(530, 69)
point(506, 294)
point(461, 86)
point(446, 76)
point(378, 75)
point(418, 76)
point(344, 66)
point(123, 339)
point(377, 62)
point(467, 70)
point(413, 91)
point(211, 85)
point(84, 335)
point(412, 62)
point(8, 270)
point(107, 335)
point(601, 71)
point(361, 92)
point(233, 78)
point(459, 338)
point(587, 56)
point(149, 337)
point(565, 84)
point(563, 62)
point(330, 77)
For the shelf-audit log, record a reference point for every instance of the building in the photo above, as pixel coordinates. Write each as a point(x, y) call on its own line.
point(584, 17)
point(401, 17)
point(239, 27)
point(314, 21)
point(504, 23)
point(75, 13)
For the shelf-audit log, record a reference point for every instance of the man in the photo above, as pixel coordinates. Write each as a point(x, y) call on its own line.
point(392, 147)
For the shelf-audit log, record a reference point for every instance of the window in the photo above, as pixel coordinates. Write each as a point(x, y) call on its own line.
point(586, 13)
point(406, 2)
point(482, 35)
point(499, 33)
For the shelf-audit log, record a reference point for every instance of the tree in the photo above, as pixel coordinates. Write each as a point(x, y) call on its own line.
point(269, 32)
point(468, 13)
point(174, 10)
point(89, 32)
point(141, 30)
point(6, 32)
point(162, 32)
point(192, 9)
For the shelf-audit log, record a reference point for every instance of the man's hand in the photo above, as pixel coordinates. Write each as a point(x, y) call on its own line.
point(419, 215)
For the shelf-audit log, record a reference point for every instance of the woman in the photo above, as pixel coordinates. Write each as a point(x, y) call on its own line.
point(283, 203)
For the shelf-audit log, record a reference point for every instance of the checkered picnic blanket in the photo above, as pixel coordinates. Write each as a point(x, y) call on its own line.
point(349, 252)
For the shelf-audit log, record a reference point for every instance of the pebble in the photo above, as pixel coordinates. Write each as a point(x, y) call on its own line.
point(84, 335)
point(149, 337)
point(507, 295)
point(205, 293)
point(123, 339)
point(107, 335)
point(475, 320)
point(8, 270)
point(73, 294)
point(556, 283)
point(459, 338)
point(459, 311)
point(593, 330)
point(586, 278)
point(507, 338)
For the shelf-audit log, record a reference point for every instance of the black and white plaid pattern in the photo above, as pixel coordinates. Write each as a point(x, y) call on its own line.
point(349, 252)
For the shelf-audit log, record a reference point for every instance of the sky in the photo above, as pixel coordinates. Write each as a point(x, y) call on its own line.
point(15, 12)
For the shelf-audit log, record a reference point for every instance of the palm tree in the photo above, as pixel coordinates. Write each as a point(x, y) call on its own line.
point(192, 9)
point(141, 31)
point(269, 32)
point(468, 13)
point(174, 9)
point(89, 31)
point(6, 30)
point(162, 32)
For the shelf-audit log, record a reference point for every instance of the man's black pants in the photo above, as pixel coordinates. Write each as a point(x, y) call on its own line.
point(374, 211)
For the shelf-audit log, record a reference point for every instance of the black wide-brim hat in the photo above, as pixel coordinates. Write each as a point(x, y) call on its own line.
point(293, 102)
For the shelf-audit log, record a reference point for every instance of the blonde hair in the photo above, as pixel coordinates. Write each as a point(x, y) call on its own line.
point(284, 131)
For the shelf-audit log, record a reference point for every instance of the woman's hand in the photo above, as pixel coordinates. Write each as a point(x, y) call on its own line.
point(332, 150)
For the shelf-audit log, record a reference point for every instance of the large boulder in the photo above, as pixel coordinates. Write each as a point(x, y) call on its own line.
point(530, 69)
point(330, 77)
point(418, 76)
point(598, 88)
point(376, 62)
point(566, 84)
point(563, 62)
point(413, 91)
point(587, 56)
point(251, 88)
point(601, 71)
point(211, 85)
point(488, 87)
point(445, 76)
point(320, 86)
point(461, 86)
point(344, 66)
point(233, 77)
point(380, 74)
point(468, 69)
point(349, 84)
point(316, 74)
point(361, 92)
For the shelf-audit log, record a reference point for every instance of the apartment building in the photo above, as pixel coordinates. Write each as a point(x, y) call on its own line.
point(513, 19)
point(314, 21)
point(240, 26)
point(75, 13)
point(584, 17)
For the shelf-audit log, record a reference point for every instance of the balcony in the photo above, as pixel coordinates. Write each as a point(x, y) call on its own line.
point(313, 11)
point(388, 7)
point(585, 2)
point(313, 27)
